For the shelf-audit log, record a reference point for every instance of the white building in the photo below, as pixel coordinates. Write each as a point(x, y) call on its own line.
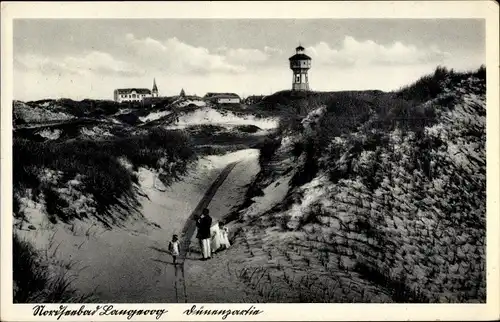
point(131, 94)
point(223, 98)
point(135, 94)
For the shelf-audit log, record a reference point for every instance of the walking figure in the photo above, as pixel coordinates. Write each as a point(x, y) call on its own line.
point(219, 239)
point(224, 238)
point(173, 248)
point(203, 223)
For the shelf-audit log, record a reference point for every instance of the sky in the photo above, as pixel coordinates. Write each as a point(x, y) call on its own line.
point(89, 58)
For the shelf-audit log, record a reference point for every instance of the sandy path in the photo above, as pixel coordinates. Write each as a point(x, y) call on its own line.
point(151, 275)
point(208, 281)
point(188, 232)
point(215, 281)
point(190, 227)
point(131, 264)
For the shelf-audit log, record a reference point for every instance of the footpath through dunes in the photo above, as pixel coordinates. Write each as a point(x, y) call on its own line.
point(212, 281)
point(131, 264)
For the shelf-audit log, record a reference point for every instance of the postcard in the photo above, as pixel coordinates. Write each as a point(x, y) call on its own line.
point(250, 161)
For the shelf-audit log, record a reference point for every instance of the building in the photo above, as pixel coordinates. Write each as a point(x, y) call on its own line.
point(253, 99)
point(222, 98)
point(300, 64)
point(131, 94)
point(135, 94)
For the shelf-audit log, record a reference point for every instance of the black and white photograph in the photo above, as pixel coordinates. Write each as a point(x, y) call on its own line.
point(243, 160)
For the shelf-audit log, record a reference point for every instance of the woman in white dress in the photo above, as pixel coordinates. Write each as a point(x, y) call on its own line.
point(215, 241)
point(224, 239)
point(219, 237)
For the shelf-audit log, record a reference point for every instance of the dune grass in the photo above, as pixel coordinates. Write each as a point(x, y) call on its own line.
point(34, 282)
point(402, 186)
point(97, 164)
point(430, 86)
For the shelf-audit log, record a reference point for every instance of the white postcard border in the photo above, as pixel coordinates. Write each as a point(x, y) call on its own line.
point(271, 312)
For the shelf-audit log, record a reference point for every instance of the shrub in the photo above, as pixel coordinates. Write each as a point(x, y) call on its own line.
point(481, 73)
point(290, 124)
point(130, 118)
point(267, 150)
point(310, 167)
point(247, 128)
point(206, 130)
point(298, 148)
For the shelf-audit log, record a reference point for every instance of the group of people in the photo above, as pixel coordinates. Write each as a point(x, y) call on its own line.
point(211, 238)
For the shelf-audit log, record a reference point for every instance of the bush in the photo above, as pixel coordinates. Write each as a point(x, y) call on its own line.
point(481, 73)
point(247, 128)
point(267, 150)
point(130, 118)
point(206, 129)
point(290, 124)
point(310, 167)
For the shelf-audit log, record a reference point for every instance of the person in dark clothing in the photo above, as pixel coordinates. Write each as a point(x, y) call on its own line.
point(203, 224)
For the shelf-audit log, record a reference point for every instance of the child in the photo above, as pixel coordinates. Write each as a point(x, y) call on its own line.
point(224, 240)
point(173, 248)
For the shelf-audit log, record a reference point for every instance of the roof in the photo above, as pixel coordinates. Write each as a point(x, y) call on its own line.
point(221, 95)
point(300, 48)
point(154, 86)
point(300, 57)
point(130, 90)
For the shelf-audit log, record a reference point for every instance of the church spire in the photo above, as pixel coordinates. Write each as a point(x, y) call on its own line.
point(155, 89)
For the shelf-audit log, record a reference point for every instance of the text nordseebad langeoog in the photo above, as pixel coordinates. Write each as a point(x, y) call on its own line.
point(109, 310)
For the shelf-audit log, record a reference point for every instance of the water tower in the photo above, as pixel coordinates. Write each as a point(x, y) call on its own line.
point(300, 64)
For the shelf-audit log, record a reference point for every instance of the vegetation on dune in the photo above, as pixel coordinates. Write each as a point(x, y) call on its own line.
point(430, 86)
point(387, 189)
point(51, 110)
point(373, 113)
point(129, 118)
point(219, 149)
point(267, 149)
point(59, 170)
point(35, 282)
point(80, 163)
point(247, 128)
point(91, 107)
point(79, 160)
point(205, 130)
point(84, 108)
point(200, 137)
